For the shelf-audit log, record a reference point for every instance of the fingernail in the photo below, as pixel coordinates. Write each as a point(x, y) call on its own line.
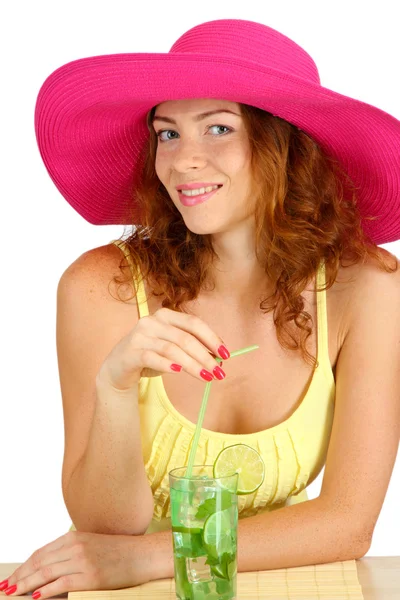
point(3, 585)
point(219, 373)
point(11, 590)
point(175, 367)
point(36, 595)
point(206, 375)
point(223, 352)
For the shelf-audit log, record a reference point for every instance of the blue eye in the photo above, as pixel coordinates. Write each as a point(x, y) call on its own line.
point(221, 127)
point(166, 131)
point(166, 135)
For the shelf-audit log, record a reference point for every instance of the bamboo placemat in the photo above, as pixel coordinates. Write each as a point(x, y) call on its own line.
point(330, 581)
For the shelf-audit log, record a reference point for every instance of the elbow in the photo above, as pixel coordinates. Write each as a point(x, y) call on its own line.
point(136, 522)
point(355, 542)
point(110, 528)
point(359, 544)
point(141, 525)
point(114, 525)
point(351, 536)
point(362, 553)
point(345, 547)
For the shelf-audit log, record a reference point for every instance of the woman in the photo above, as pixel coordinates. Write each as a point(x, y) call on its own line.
point(258, 198)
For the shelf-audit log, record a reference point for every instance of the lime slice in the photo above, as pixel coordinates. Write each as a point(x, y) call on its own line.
point(245, 461)
point(189, 530)
point(217, 533)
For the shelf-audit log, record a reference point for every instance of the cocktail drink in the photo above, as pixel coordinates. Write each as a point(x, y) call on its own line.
point(204, 514)
point(204, 517)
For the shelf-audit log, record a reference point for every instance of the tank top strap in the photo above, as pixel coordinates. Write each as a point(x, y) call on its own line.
point(322, 321)
point(137, 281)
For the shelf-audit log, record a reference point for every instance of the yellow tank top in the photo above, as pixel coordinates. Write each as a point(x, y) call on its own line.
point(294, 451)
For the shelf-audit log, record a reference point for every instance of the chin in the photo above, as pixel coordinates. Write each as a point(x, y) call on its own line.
point(199, 230)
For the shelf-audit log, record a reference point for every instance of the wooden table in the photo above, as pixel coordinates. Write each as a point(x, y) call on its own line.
point(379, 577)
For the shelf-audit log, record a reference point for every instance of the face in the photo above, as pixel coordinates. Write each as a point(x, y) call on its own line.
point(201, 145)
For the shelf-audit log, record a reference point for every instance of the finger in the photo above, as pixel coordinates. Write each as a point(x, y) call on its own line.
point(37, 559)
point(183, 340)
point(195, 326)
point(61, 567)
point(161, 355)
point(64, 584)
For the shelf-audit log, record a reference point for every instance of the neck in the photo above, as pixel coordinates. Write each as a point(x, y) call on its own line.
point(236, 274)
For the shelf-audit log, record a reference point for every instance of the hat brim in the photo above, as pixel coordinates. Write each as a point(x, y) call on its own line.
point(90, 122)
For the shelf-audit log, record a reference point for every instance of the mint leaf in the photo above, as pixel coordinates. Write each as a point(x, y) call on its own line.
point(189, 545)
point(221, 501)
point(207, 508)
point(224, 566)
point(212, 561)
point(225, 559)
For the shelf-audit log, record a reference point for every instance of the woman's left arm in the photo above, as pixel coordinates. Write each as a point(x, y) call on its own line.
point(339, 524)
point(366, 430)
point(336, 526)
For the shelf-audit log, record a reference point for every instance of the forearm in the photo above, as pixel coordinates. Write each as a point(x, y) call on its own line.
point(303, 534)
point(108, 491)
point(293, 536)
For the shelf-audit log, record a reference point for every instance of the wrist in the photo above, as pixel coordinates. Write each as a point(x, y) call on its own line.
point(157, 548)
point(105, 389)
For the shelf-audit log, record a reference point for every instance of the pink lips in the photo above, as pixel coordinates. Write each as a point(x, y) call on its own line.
point(193, 200)
point(195, 184)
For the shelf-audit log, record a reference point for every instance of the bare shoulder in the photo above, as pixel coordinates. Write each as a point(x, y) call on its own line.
point(358, 291)
point(369, 284)
point(364, 288)
point(93, 273)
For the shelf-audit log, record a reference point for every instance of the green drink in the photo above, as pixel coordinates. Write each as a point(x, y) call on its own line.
point(204, 517)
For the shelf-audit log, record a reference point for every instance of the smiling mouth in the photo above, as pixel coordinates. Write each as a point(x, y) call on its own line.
point(199, 191)
point(199, 197)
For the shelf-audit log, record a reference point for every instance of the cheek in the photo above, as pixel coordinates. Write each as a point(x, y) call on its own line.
point(157, 162)
point(240, 168)
point(235, 158)
point(160, 167)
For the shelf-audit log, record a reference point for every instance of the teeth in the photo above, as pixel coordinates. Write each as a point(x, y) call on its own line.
point(199, 191)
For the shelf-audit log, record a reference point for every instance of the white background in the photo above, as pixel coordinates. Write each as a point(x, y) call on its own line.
point(355, 45)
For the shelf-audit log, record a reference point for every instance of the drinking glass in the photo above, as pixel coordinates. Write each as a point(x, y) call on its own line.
point(204, 516)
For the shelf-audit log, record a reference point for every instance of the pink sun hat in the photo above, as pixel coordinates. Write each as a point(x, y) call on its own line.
point(91, 128)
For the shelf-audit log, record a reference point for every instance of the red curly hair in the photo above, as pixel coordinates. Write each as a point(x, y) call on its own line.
point(306, 212)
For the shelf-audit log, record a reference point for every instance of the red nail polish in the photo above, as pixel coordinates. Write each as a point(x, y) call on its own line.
point(224, 352)
point(36, 595)
point(3, 585)
point(175, 367)
point(206, 375)
point(11, 590)
point(219, 373)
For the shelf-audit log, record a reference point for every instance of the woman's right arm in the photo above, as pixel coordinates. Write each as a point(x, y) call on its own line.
point(103, 350)
point(104, 481)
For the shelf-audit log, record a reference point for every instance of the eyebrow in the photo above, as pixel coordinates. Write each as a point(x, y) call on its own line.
point(197, 118)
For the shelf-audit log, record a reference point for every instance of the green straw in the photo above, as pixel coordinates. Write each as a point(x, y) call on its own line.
point(202, 411)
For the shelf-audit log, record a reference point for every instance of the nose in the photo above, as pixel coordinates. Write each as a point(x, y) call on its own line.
point(188, 155)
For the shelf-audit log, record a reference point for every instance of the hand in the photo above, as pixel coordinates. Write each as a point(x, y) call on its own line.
point(157, 341)
point(79, 561)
